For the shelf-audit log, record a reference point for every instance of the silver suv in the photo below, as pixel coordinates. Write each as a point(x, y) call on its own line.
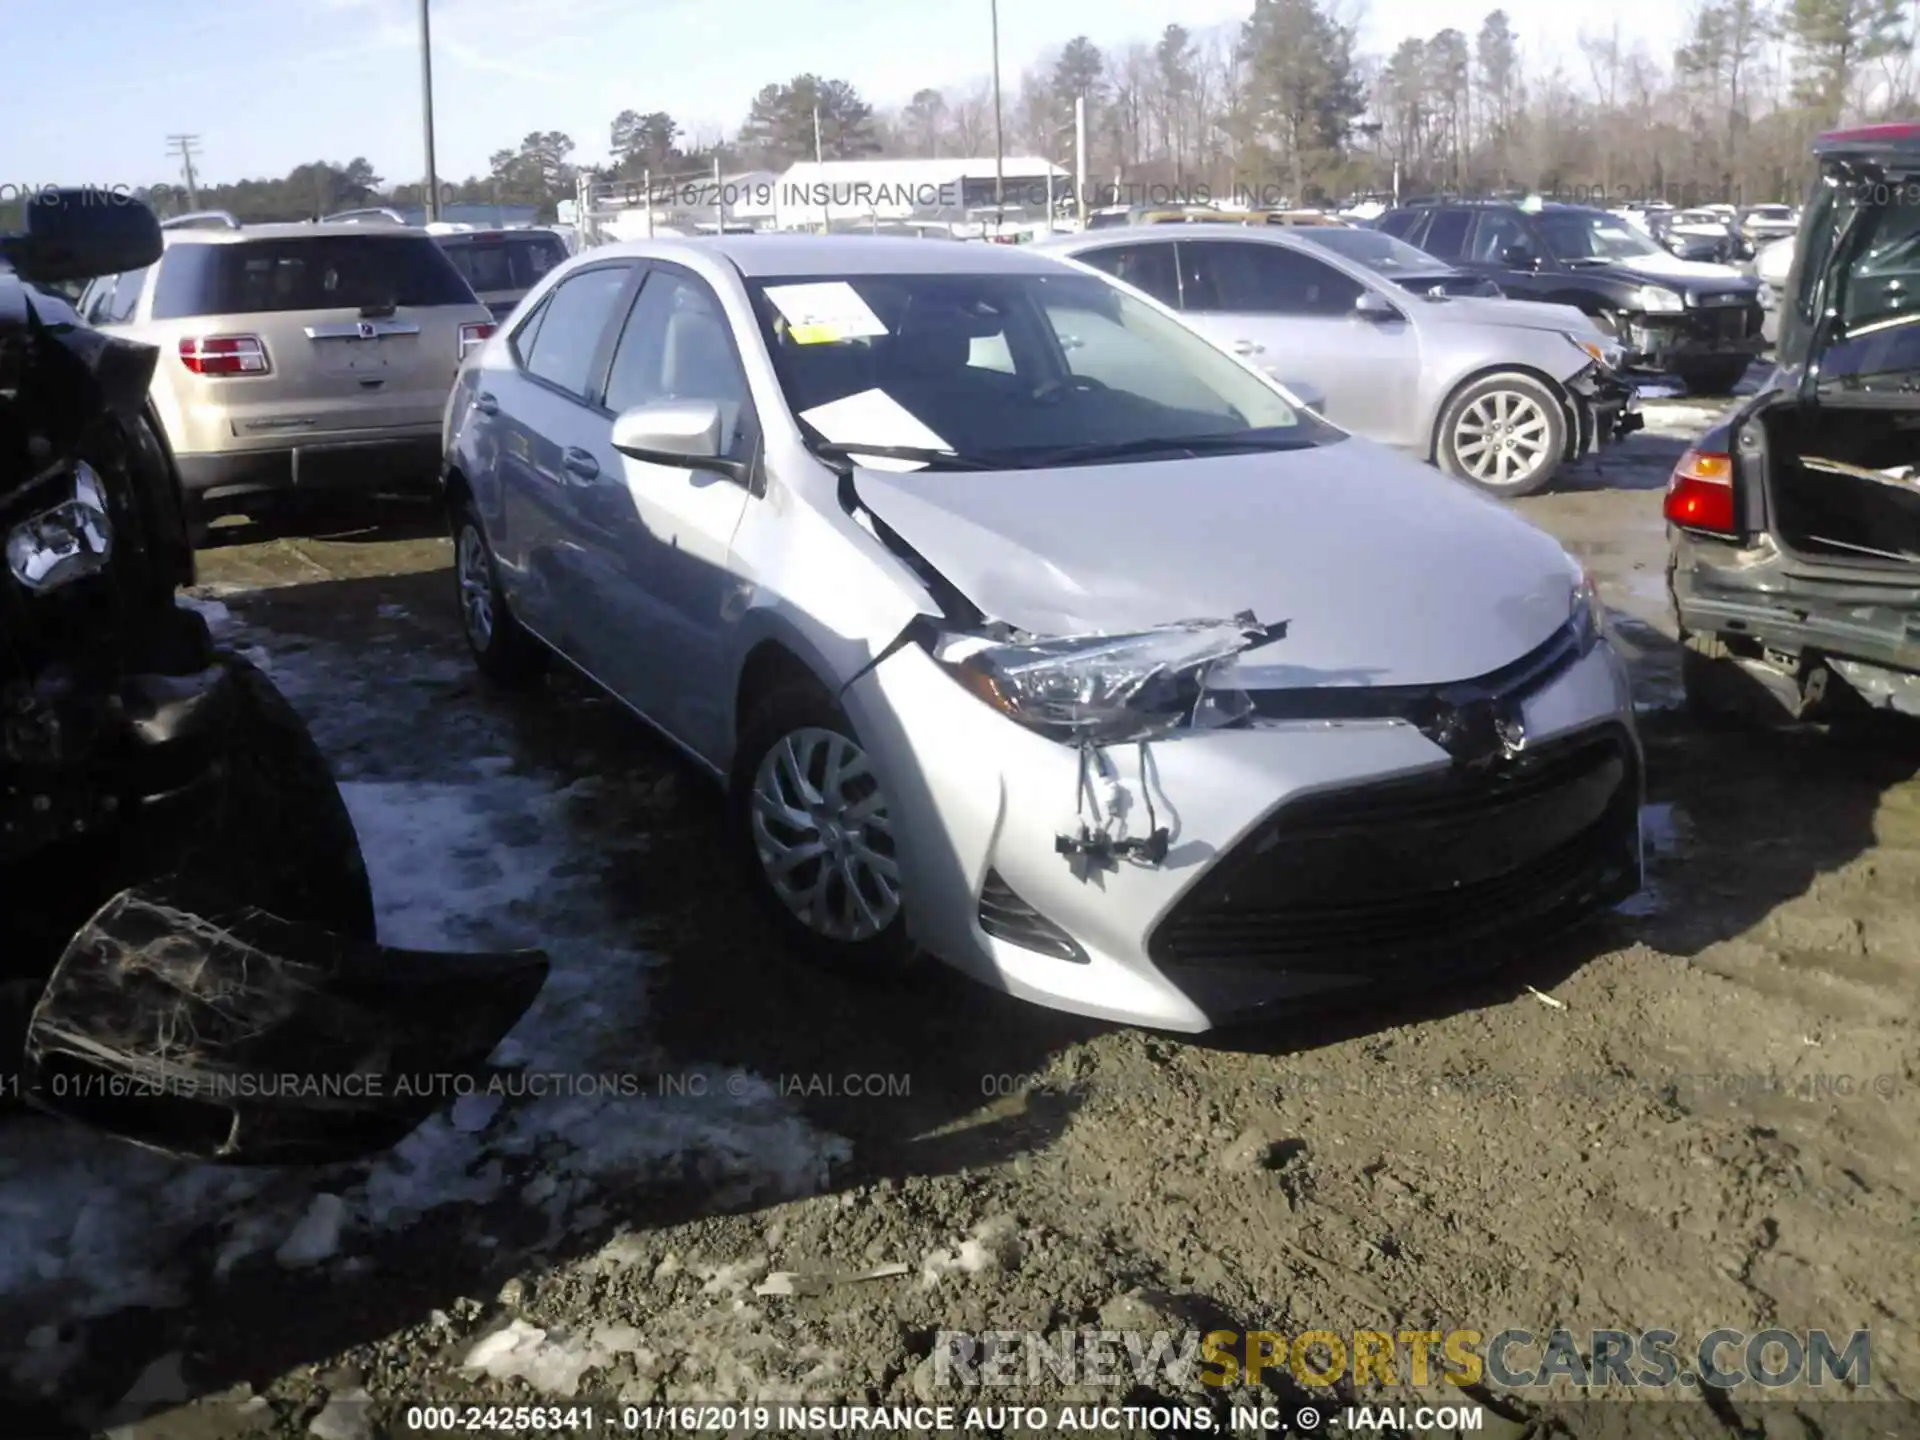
point(297, 357)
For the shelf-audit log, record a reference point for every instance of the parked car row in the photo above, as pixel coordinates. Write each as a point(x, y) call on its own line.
point(1495, 391)
point(1700, 323)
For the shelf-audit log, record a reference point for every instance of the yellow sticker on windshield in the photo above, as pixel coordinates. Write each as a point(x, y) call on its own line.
point(822, 312)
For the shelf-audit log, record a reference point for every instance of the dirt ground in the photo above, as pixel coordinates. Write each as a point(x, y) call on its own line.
point(1698, 1112)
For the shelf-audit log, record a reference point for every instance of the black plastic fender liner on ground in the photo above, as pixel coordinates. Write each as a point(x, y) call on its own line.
point(182, 1020)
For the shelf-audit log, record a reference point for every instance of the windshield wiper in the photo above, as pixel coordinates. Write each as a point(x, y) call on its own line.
point(1160, 444)
point(932, 459)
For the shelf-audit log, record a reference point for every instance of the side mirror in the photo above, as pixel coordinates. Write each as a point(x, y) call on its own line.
point(74, 235)
point(684, 433)
point(1310, 396)
point(1519, 257)
point(1375, 307)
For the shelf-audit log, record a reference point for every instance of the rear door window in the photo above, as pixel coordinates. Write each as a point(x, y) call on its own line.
point(125, 299)
point(319, 272)
point(1400, 224)
point(1447, 235)
point(516, 262)
point(1246, 278)
point(578, 314)
point(1145, 267)
point(1498, 233)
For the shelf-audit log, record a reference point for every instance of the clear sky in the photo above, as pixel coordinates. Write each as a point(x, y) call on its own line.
point(94, 87)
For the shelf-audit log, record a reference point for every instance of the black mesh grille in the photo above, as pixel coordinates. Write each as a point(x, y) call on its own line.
point(1005, 916)
point(1408, 875)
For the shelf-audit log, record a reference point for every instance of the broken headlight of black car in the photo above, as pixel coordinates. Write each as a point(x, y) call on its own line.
point(1107, 689)
point(72, 540)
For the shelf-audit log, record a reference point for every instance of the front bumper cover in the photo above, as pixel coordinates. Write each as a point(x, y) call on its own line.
point(979, 801)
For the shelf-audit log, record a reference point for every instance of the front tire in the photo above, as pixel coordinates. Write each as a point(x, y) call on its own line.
point(505, 653)
point(811, 822)
point(1506, 433)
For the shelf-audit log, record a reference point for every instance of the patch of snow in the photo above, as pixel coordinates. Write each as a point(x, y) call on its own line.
point(317, 1236)
point(219, 619)
point(344, 1417)
point(550, 1361)
point(1665, 827)
point(1681, 420)
point(1663, 831)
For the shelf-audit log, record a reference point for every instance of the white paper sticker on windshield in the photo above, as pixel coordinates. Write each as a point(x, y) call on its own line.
point(874, 417)
point(822, 313)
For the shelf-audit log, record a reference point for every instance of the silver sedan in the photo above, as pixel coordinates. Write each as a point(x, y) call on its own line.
point(1028, 630)
point(1498, 392)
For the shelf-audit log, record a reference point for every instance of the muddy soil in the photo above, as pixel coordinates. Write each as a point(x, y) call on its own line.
point(1699, 1112)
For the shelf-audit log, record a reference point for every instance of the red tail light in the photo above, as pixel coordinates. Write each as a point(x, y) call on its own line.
point(225, 355)
point(472, 337)
point(1700, 493)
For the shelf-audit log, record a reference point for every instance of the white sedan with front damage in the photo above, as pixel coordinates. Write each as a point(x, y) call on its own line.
point(1027, 629)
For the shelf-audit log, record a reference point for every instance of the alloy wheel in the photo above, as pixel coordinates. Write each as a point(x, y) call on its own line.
point(1501, 438)
point(475, 573)
point(823, 836)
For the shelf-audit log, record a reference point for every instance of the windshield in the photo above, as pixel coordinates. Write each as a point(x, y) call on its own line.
point(1577, 236)
point(1375, 249)
point(1010, 368)
point(515, 262)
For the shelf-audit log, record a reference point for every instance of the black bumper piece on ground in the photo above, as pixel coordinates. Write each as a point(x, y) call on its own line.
point(1415, 881)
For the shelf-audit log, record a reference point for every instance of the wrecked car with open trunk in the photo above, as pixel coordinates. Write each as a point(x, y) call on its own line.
point(1026, 628)
point(188, 956)
point(1795, 521)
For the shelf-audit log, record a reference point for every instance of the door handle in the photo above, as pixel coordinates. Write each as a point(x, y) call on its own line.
point(1248, 347)
point(578, 462)
point(486, 404)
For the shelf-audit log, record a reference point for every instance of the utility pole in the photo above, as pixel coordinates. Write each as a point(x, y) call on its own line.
point(184, 146)
point(1080, 156)
point(826, 216)
point(999, 137)
point(426, 111)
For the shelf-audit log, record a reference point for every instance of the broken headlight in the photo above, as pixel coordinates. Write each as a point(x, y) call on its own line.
point(1588, 618)
point(1107, 689)
point(61, 545)
point(1605, 353)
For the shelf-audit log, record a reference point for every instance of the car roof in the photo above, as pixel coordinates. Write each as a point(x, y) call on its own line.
point(500, 232)
point(297, 230)
point(769, 255)
point(1169, 234)
point(1898, 138)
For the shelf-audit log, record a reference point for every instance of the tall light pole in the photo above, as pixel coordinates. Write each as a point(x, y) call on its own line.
point(999, 137)
point(426, 111)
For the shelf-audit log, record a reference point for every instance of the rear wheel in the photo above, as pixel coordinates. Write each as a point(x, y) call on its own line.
point(505, 653)
point(1506, 433)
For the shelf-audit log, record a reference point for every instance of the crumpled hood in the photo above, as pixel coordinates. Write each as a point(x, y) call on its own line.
point(1387, 572)
point(1520, 314)
point(1692, 272)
